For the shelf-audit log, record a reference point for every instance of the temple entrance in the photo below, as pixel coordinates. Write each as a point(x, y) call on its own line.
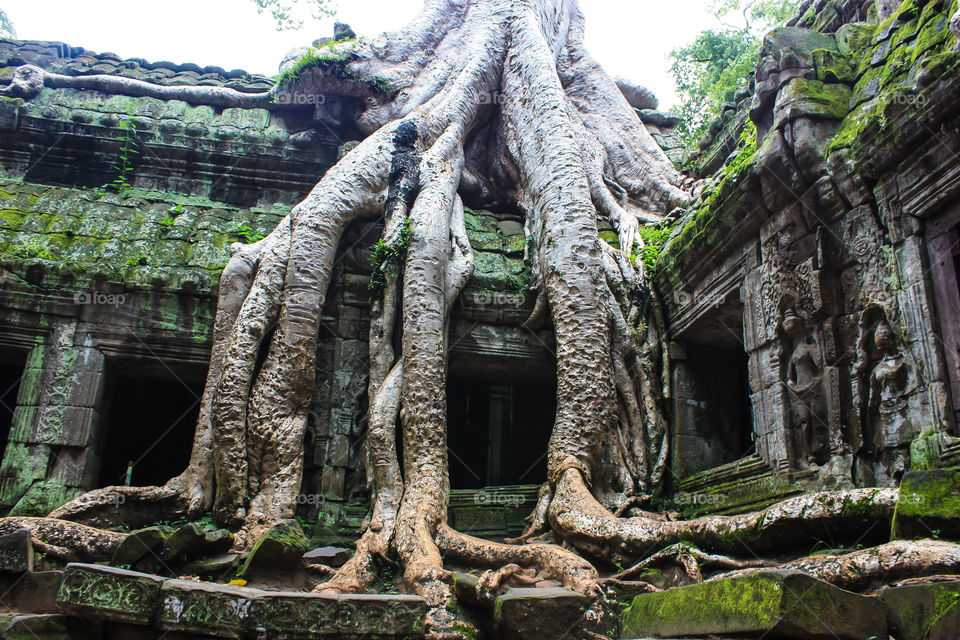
point(11, 372)
point(498, 432)
point(943, 246)
point(150, 425)
point(713, 415)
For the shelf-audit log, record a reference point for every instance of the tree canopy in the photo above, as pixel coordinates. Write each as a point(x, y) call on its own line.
point(709, 70)
point(6, 27)
point(284, 14)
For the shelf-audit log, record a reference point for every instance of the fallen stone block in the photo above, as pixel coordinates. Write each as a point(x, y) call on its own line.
point(928, 505)
point(329, 556)
point(139, 544)
point(16, 552)
point(279, 549)
point(532, 613)
point(33, 626)
point(34, 592)
point(928, 611)
point(204, 608)
point(296, 616)
point(780, 604)
point(107, 593)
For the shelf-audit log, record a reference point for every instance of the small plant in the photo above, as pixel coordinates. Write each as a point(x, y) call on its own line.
point(247, 234)
point(128, 150)
point(387, 259)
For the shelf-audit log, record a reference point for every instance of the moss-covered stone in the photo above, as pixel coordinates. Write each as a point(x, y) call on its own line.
point(924, 611)
point(782, 604)
point(281, 548)
point(928, 505)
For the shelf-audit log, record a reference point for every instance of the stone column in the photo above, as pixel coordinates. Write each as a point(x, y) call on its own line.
point(58, 422)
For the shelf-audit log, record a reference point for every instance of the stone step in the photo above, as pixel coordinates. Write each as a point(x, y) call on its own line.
point(779, 603)
point(929, 611)
point(223, 611)
point(32, 626)
point(555, 613)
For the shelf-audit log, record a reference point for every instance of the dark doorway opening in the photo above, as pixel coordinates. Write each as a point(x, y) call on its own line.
point(11, 373)
point(150, 425)
point(725, 419)
point(498, 432)
point(943, 247)
point(712, 409)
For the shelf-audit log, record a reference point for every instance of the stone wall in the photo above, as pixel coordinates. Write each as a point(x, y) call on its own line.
point(827, 188)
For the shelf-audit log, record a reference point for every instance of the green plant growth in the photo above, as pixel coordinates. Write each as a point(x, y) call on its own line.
point(246, 234)
point(333, 58)
point(387, 259)
point(128, 151)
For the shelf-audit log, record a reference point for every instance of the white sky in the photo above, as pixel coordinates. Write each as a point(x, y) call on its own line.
point(630, 38)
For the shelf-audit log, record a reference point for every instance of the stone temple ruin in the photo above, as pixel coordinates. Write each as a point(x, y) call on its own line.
point(811, 295)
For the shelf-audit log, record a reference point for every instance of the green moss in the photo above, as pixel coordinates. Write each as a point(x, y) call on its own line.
point(387, 258)
point(726, 602)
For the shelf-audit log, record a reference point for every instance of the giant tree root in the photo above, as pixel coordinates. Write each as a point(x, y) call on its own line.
point(867, 568)
point(66, 541)
point(853, 516)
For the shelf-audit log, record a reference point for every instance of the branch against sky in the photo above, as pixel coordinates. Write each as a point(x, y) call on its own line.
point(6, 27)
point(284, 11)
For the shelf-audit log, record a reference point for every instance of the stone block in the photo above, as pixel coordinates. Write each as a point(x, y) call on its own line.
point(318, 616)
point(106, 593)
point(22, 424)
point(16, 552)
point(329, 556)
point(204, 608)
point(31, 384)
point(523, 614)
point(192, 540)
point(924, 611)
point(139, 544)
point(928, 504)
point(781, 604)
point(33, 592)
point(279, 549)
point(33, 626)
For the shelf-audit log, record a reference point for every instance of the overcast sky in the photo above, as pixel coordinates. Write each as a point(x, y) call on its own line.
point(631, 38)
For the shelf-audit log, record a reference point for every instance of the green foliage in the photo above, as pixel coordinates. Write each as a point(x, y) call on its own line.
point(6, 27)
point(710, 70)
point(128, 151)
point(246, 234)
point(283, 11)
point(387, 259)
point(333, 59)
point(654, 237)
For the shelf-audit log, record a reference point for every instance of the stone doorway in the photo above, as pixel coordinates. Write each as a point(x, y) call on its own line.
point(943, 246)
point(12, 367)
point(498, 432)
point(150, 425)
point(713, 415)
